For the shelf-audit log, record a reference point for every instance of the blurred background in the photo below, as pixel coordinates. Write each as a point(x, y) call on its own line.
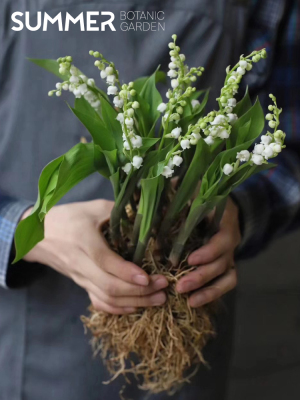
point(266, 357)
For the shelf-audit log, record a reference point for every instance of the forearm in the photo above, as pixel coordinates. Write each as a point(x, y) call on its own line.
point(11, 210)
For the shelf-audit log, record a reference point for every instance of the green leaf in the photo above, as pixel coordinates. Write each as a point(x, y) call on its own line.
point(109, 115)
point(115, 181)
point(152, 96)
point(244, 105)
point(56, 179)
point(50, 66)
point(147, 144)
point(256, 115)
point(139, 83)
point(193, 118)
point(99, 132)
point(84, 107)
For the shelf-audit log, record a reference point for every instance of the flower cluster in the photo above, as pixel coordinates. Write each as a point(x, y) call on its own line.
point(270, 144)
point(78, 83)
point(181, 79)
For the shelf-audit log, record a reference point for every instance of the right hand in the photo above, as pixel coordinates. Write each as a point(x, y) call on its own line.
point(75, 247)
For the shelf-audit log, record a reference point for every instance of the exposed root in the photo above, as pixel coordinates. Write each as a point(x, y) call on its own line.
point(161, 346)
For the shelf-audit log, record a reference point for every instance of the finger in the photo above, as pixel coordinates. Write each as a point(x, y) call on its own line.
point(210, 293)
point(86, 274)
point(115, 287)
point(155, 299)
point(215, 248)
point(202, 275)
point(115, 265)
point(101, 306)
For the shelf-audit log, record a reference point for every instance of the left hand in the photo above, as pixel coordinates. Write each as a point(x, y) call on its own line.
point(215, 261)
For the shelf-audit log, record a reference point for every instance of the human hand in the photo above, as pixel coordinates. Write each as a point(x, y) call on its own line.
point(75, 247)
point(215, 261)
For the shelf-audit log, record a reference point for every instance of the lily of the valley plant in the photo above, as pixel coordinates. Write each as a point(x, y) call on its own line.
point(140, 142)
point(170, 164)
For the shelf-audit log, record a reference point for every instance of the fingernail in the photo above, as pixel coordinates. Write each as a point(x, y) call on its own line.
point(158, 299)
point(129, 309)
point(141, 280)
point(186, 286)
point(160, 283)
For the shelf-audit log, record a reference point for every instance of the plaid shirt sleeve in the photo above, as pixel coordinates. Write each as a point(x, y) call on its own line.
point(11, 211)
point(269, 202)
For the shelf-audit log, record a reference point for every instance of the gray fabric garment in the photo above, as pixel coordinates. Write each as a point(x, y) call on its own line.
point(44, 353)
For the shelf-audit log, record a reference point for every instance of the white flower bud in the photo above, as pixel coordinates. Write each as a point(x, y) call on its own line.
point(174, 83)
point(249, 67)
point(109, 70)
point(103, 74)
point(232, 79)
point(120, 118)
point(118, 102)
point(111, 79)
point(127, 168)
point(195, 103)
point(77, 93)
point(173, 59)
point(219, 119)
point(83, 88)
point(129, 122)
point(91, 82)
point(227, 169)
point(58, 86)
point(265, 139)
point(268, 152)
point(172, 73)
point(175, 133)
point(232, 117)
point(135, 105)
point(74, 70)
point(137, 162)
point(167, 172)
point(162, 107)
point(276, 147)
point(130, 112)
point(195, 138)
point(74, 79)
point(243, 155)
point(182, 57)
point(126, 145)
point(65, 86)
point(223, 134)
point(185, 144)
point(257, 159)
point(209, 140)
point(231, 102)
point(243, 64)
point(112, 90)
point(136, 142)
point(58, 94)
point(258, 148)
point(241, 71)
point(83, 78)
point(177, 160)
point(172, 65)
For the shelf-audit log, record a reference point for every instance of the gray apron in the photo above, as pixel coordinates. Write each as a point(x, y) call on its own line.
point(44, 353)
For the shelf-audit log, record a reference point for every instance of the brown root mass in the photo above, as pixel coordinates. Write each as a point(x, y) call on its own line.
point(161, 346)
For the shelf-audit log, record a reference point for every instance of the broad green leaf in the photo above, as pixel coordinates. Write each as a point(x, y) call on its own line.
point(109, 115)
point(152, 96)
point(256, 115)
point(99, 132)
point(56, 179)
point(139, 83)
point(115, 181)
point(84, 107)
point(50, 66)
point(244, 105)
point(112, 160)
point(147, 144)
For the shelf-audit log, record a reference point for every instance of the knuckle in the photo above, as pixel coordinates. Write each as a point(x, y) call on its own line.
point(111, 290)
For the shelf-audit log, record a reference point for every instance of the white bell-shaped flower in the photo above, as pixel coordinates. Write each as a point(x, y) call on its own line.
point(258, 148)
point(103, 74)
point(209, 140)
point(162, 107)
point(227, 169)
point(136, 142)
point(177, 160)
point(167, 172)
point(137, 162)
point(195, 103)
point(127, 168)
point(266, 139)
point(175, 133)
point(112, 90)
point(174, 83)
point(257, 159)
point(185, 144)
point(268, 152)
point(243, 155)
